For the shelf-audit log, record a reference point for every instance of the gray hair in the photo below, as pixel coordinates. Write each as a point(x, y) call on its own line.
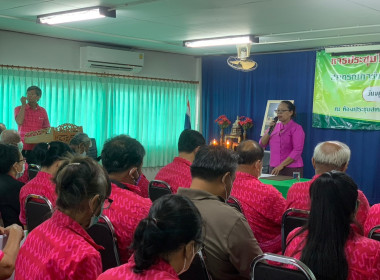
point(10, 136)
point(334, 153)
point(79, 138)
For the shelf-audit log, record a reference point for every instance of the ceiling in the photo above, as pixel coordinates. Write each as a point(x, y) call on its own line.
point(163, 25)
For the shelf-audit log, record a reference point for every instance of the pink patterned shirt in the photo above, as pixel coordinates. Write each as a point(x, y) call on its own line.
point(58, 249)
point(33, 120)
point(176, 174)
point(263, 206)
point(40, 185)
point(1, 255)
point(286, 141)
point(373, 219)
point(363, 254)
point(143, 184)
point(125, 213)
point(298, 197)
point(159, 271)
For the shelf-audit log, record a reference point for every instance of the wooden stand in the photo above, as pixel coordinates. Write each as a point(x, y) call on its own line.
point(64, 133)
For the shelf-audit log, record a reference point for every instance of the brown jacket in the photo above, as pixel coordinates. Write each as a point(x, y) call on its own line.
point(230, 245)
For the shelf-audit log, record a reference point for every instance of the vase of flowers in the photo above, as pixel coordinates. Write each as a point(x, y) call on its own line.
point(246, 123)
point(223, 123)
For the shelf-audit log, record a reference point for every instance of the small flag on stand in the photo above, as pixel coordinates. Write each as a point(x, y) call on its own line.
point(187, 116)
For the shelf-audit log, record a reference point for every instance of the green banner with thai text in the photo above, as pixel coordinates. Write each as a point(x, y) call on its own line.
point(347, 91)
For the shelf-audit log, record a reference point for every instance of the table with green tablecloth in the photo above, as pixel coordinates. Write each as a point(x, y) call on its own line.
point(282, 185)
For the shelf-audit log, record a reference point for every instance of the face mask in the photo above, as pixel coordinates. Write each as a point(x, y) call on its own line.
point(133, 178)
point(20, 146)
point(19, 174)
point(83, 154)
point(183, 268)
point(95, 219)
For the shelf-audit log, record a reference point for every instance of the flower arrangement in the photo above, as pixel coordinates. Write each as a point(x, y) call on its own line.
point(223, 121)
point(245, 122)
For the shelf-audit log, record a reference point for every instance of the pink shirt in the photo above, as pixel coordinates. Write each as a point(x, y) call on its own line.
point(40, 185)
point(373, 219)
point(1, 255)
point(159, 271)
point(58, 249)
point(363, 254)
point(263, 206)
point(33, 120)
point(143, 184)
point(286, 141)
point(126, 211)
point(298, 197)
point(25, 177)
point(176, 174)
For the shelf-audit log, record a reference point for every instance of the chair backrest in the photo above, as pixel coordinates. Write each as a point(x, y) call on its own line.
point(103, 233)
point(263, 271)
point(197, 269)
point(291, 219)
point(93, 150)
point(33, 169)
point(158, 188)
point(37, 210)
point(234, 202)
point(373, 234)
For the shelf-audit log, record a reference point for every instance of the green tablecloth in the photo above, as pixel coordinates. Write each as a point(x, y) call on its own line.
point(283, 186)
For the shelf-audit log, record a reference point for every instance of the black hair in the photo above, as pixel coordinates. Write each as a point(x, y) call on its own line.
point(172, 221)
point(211, 162)
point(333, 203)
point(46, 154)
point(189, 140)
point(9, 154)
point(79, 178)
point(291, 107)
point(249, 151)
point(36, 89)
point(121, 153)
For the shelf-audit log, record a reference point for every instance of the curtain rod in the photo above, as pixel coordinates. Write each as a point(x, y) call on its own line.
point(95, 74)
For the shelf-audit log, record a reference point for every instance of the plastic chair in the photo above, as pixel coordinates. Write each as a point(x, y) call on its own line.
point(37, 210)
point(103, 233)
point(263, 271)
point(33, 169)
point(374, 235)
point(291, 219)
point(234, 202)
point(197, 269)
point(157, 189)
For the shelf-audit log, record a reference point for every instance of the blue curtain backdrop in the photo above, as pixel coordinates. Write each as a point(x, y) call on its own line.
point(282, 77)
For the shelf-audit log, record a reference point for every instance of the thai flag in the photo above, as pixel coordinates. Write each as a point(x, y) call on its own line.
point(187, 116)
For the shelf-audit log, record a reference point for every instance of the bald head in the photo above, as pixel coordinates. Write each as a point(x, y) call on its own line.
point(249, 152)
point(9, 136)
point(331, 155)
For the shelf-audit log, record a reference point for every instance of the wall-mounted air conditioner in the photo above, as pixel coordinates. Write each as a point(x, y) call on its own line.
point(110, 59)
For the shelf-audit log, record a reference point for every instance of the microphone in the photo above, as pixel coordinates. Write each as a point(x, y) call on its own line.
point(273, 126)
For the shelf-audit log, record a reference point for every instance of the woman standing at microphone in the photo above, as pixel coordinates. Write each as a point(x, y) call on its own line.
point(286, 140)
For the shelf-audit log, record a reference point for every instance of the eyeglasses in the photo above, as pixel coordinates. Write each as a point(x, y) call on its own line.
point(198, 246)
point(24, 160)
point(107, 203)
point(280, 111)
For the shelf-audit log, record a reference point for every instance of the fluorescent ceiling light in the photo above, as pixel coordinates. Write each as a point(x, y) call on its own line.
point(352, 49)
point(221, 41)
point(76, 15)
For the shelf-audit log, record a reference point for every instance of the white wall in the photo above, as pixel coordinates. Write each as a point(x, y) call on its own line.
point(38, 51)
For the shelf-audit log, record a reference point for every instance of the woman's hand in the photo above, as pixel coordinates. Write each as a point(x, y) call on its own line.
point(277, 170)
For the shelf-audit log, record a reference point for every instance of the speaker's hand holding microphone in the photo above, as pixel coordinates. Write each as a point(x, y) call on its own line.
point(272, 125)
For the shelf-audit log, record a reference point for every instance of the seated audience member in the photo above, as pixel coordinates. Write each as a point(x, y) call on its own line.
point(143, 185)
point(177, 173)
point(328, 245)
point(122, 157)
point(164, 243)
point(230, 245)
point(11, 167)
point(263, 205)
point(9, 254)
point(328, 156)
point(2, 127)
point(12, 137)
point(50, 160)
point(373, 219)
point(60, 248)
point(80, 144)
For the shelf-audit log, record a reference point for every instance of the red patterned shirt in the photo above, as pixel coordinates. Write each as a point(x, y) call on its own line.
point(159, 271)
point(58, 249)
point(373, 219)
point(143, 184)
point(263, 206)
point(40, 185)
point(298, 197)
point(25, 177)
point(125, 213)
point(363, 254)
point(1, 255)
point(34, 119)
point(176, 174)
